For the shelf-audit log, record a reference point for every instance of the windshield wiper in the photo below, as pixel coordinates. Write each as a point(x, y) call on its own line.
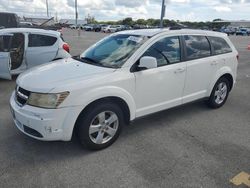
point(91, 61)
point(85, 60)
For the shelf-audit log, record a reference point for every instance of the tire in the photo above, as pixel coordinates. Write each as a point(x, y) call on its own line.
point(219, 93)
point(103, 134)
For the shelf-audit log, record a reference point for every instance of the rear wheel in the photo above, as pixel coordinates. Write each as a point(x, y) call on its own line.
point(219, 94)
point(100, 125)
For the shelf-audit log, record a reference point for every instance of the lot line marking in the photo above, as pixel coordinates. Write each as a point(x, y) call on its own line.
point(241, 178)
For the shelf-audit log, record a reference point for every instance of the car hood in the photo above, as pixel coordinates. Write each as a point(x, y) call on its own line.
point(48, 76)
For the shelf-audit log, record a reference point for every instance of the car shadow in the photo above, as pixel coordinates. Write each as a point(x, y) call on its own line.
point(24, 149)
point(165, 118)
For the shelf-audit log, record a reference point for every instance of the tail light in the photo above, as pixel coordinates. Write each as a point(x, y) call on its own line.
point(237, 56)
point(66, 47)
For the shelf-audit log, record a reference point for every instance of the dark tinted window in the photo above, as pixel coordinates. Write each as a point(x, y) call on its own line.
point(8, 20)
point(166, 51)
point(220, 45)
point(197, 47)
point(17, 40)
point(41, 40)
point(5, 43)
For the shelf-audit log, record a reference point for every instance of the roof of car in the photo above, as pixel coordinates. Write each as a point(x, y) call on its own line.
point(153, 32)
point(29, 30)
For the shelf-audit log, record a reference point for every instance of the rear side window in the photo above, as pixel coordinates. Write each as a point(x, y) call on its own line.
point(220, 45)
point(41, 40)
point(197, 47)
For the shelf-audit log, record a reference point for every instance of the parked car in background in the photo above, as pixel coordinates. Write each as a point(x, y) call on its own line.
point(82, 26)
point(104, 27)
point(228, 31)
point(74, 26)
point(243, 32)
point(89, 27)
point(97, 27)
point(24, 48)
point(125, 76)
point(112, 29)
point(126, 27)
point(8, 20)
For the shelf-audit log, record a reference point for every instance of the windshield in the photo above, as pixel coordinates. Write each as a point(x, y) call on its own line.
point(113, 51)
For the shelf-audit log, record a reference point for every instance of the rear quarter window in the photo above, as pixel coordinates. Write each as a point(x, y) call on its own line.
point(219, 45)
point(197, 47)
point(36, 40)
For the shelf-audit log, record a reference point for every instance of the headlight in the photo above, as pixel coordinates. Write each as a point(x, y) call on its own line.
point(50, 100)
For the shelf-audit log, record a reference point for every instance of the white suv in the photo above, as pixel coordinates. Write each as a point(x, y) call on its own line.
point(24, 48)
point(122, 77)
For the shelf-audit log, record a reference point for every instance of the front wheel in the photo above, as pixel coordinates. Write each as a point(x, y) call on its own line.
point(219, 94)
point(100, 126)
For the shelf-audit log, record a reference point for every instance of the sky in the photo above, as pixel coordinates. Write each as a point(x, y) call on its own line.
point(103, 10)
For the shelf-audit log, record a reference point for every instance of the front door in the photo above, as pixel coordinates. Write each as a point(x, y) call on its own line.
point(5, 61)
point(162, 87)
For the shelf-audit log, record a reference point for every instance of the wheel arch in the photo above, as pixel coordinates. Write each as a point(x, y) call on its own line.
point(113, 99)
point(229, 77)
point(224, 72)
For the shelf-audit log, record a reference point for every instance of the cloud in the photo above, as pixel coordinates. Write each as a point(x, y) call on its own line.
point(192, 10)
point(131, 4)
point(222, 9)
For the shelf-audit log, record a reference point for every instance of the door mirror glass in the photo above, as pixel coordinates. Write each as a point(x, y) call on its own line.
point(148, 62)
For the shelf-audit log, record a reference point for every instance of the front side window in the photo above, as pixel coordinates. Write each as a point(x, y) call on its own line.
point(5, 42)
point(220, 45)
point(197, 47)
point(113, 51)
point(36, 40)
point(166, 51)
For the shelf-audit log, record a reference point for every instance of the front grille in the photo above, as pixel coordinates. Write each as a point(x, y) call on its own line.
point(32, 132)
point(22, 95)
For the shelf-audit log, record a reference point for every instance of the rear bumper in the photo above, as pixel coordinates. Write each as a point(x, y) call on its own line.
point(44, 124)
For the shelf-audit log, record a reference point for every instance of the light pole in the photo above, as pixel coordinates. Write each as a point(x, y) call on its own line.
point(76, 11)
point(163, 7)
point(47, 5)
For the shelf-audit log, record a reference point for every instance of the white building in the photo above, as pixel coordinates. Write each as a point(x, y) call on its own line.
point(72, 21)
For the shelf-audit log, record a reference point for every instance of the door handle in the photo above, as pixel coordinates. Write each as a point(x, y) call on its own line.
point(179, 70)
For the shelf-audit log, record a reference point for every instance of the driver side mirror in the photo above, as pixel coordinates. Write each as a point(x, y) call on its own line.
point(147, 62)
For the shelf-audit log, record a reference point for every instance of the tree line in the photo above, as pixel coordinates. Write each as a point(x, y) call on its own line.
point(167, 23)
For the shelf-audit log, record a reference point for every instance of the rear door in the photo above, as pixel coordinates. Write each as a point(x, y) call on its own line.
point(5, 61)
point(222, 51)
point(200, 67)
point(41, 49)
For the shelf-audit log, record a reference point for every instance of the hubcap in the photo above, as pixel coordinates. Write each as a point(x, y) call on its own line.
point(103, 127)
point(220, 93)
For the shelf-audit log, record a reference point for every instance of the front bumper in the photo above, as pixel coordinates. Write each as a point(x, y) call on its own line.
point(44, 124)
